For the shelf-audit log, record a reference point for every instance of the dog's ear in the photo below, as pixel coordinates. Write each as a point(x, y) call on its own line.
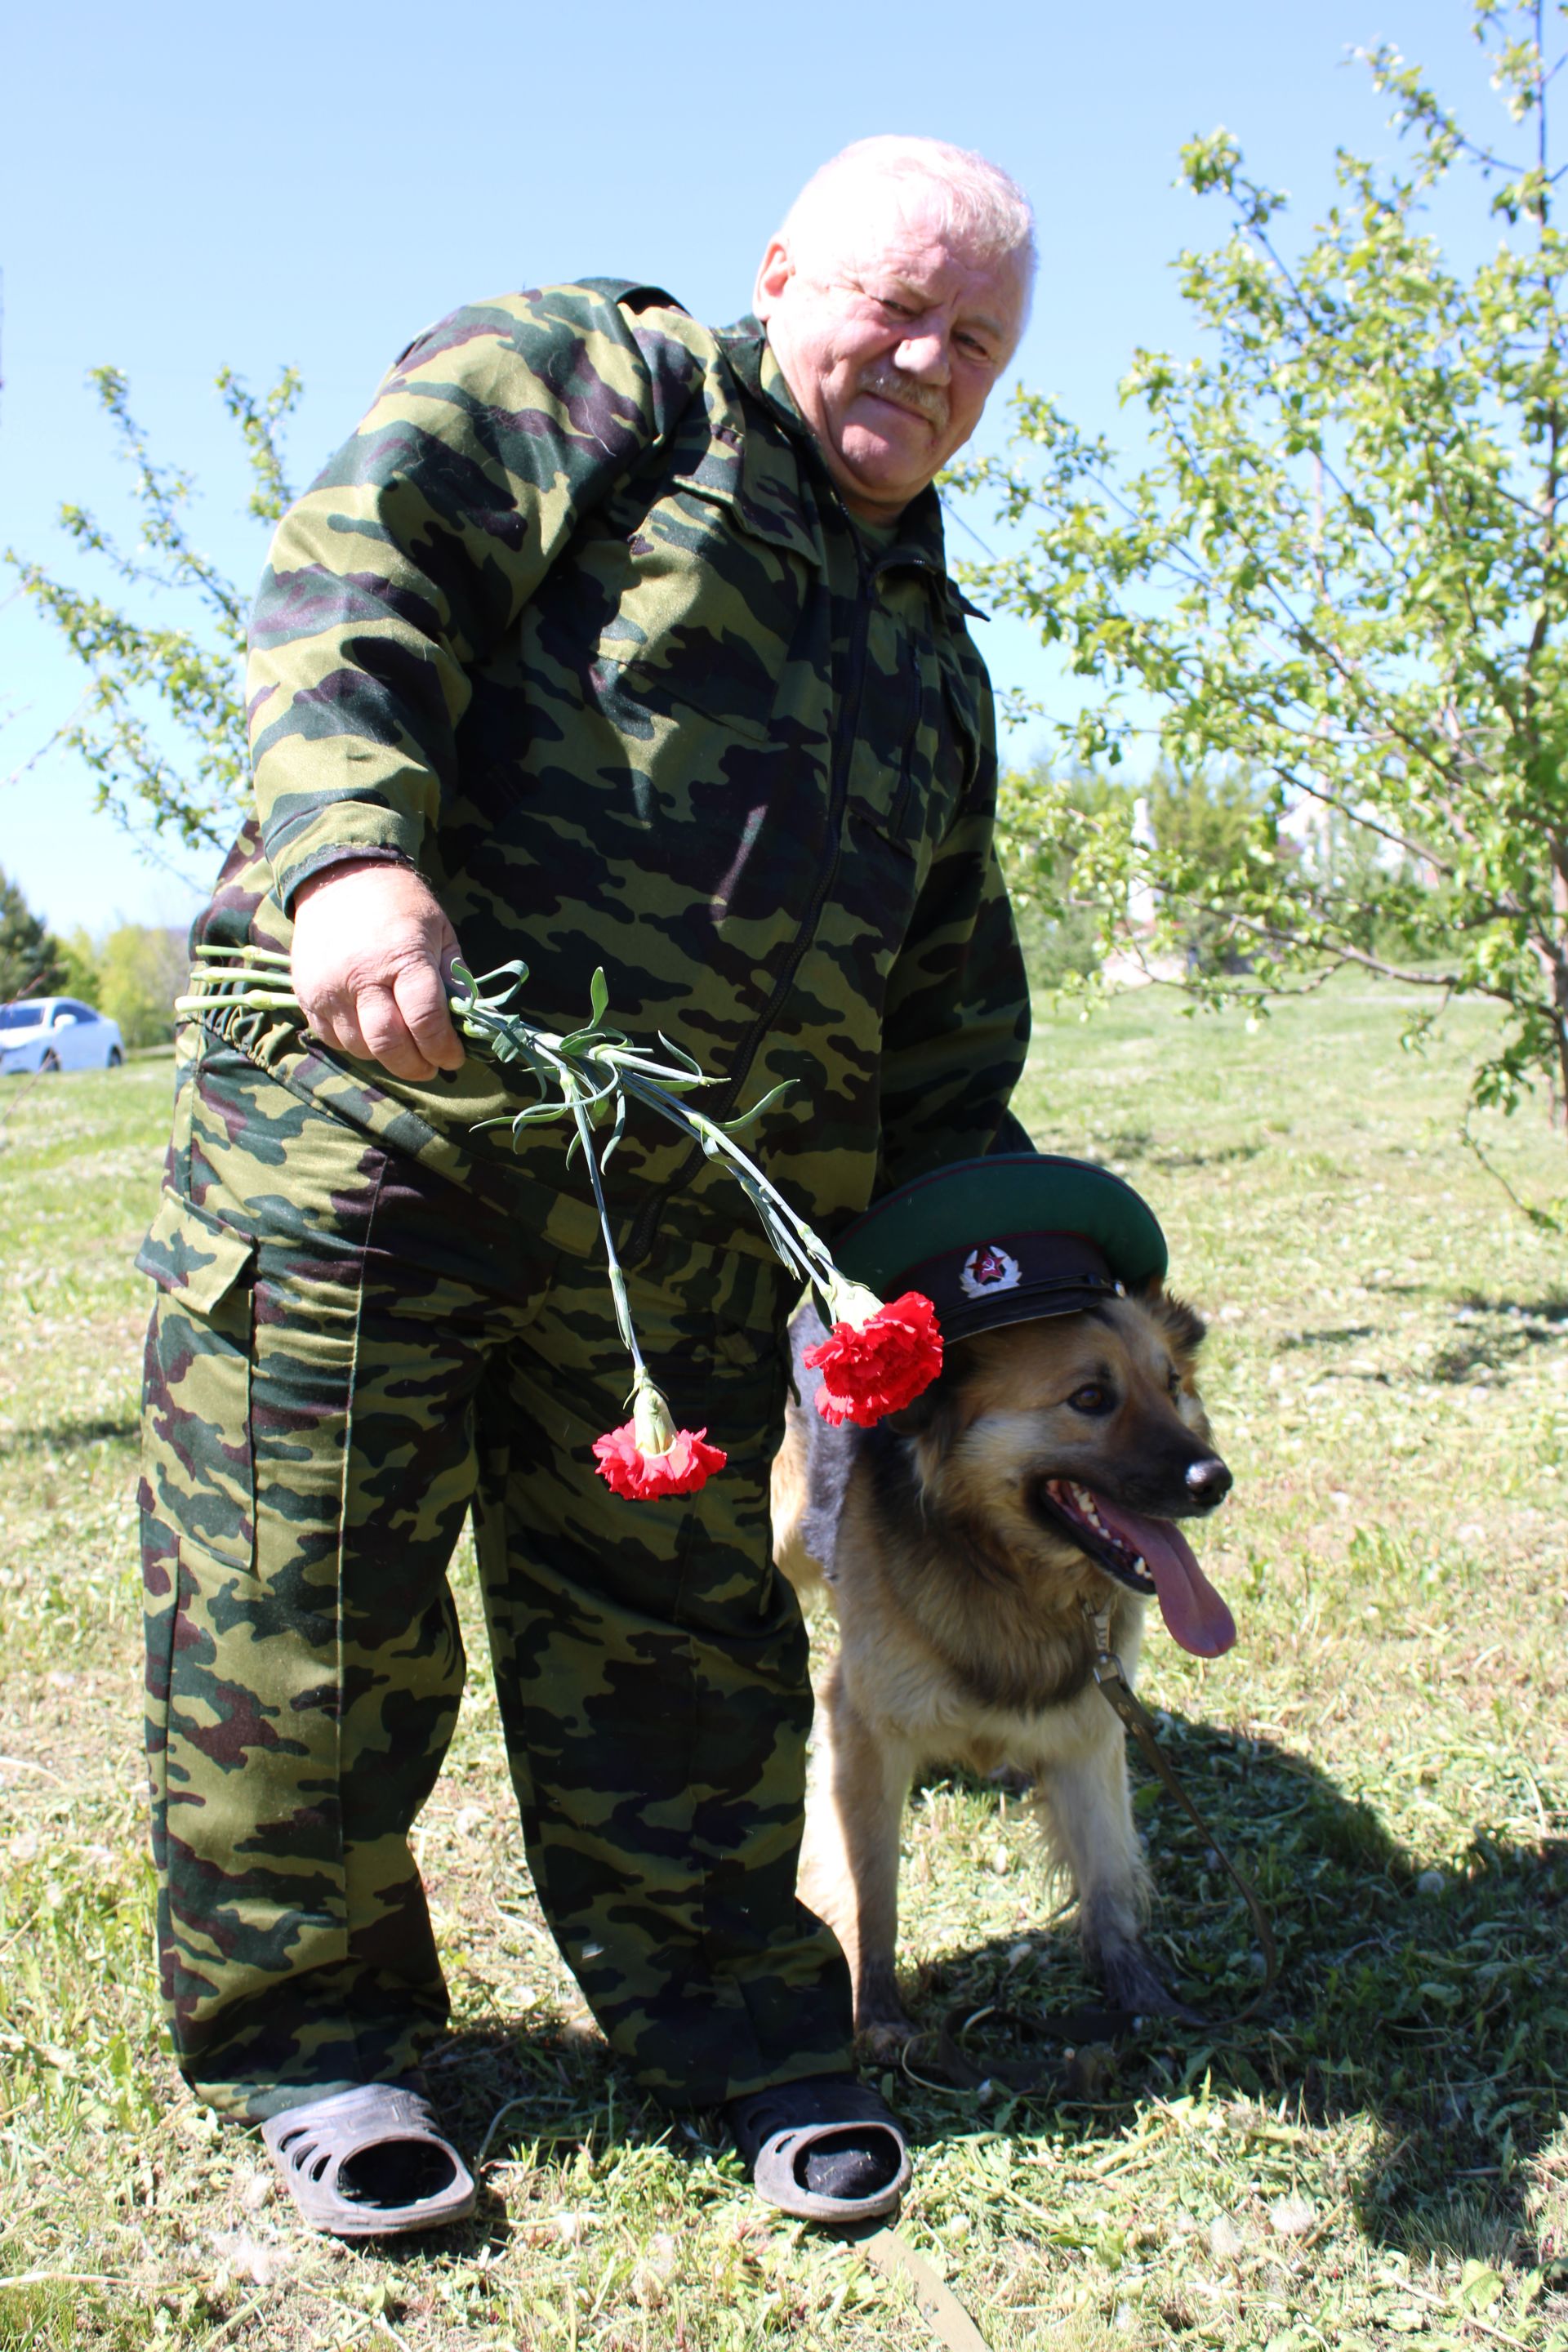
point(935, 1412)
point(934, 1406)
point(1183, 1325)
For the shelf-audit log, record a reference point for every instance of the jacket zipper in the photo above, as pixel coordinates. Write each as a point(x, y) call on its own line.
point(640, 1239)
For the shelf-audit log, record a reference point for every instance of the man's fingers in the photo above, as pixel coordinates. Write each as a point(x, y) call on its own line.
point(386, 1036)
point(370, 940)
point(422, 1000)
point(340, 1028)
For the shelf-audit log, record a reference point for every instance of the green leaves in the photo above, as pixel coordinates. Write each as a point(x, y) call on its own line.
point(1339, 574)
point(161, 725)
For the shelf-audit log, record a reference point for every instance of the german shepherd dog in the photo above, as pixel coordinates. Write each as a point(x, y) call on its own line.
point(965, 1544)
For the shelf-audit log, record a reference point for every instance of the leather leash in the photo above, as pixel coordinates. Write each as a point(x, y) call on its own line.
point(1077, 2027)
point(1135, 1716)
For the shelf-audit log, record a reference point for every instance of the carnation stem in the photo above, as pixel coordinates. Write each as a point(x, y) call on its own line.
point(800, 1248)
point(617, 1279)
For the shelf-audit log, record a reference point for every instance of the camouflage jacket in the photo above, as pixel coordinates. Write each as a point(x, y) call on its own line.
point(577, 626)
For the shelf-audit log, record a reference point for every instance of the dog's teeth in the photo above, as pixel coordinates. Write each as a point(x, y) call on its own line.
point(1085, 1502)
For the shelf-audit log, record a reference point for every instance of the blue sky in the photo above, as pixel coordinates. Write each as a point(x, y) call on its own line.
point(184, 187)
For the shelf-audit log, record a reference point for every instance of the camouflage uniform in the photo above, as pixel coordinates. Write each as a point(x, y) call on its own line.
point(577, 626)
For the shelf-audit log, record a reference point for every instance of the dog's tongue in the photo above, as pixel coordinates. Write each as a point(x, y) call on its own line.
point(1190, 1607)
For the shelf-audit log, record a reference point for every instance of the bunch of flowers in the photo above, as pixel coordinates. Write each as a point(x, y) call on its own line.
point(876, 1358)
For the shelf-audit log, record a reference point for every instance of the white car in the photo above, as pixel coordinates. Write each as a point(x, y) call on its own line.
point(57, 1033)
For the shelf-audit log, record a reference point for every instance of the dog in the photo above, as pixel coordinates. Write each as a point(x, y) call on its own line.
point(965, 1545)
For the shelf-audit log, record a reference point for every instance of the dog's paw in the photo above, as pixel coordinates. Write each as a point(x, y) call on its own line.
point(1134, 1983)
point(881, 2025)
point(882, 2028)
point(883, 2041)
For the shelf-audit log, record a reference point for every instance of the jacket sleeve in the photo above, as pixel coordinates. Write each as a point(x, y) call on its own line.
point(417, 549)
point(956, 1032)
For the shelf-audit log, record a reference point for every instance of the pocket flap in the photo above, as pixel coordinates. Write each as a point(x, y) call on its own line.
point(189, 1252)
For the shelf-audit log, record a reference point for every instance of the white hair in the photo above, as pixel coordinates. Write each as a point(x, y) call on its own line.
point(975, 200)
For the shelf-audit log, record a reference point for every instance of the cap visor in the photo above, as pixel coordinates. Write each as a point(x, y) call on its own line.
point(989, 1314)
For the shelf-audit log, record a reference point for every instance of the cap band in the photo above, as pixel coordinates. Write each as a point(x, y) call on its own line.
point(1011, 1278)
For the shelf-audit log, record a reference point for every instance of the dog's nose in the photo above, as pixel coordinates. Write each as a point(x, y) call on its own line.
point(1209, 1480)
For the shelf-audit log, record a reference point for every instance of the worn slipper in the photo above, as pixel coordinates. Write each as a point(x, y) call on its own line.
point(824, 2149)
point(368, 2163)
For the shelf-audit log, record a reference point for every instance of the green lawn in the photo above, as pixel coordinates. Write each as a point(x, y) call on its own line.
point(1382, 2154)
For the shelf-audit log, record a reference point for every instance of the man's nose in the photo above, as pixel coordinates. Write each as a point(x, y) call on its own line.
point(924, 353)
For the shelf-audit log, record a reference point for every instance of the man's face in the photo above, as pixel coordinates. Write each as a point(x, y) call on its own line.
point(890, 334)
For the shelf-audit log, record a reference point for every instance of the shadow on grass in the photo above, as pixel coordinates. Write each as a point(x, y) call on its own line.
point(529, 2095)
point(1339, 1335)
point(1219, 1155)
point(1432, 2002)
point(1503, 1350)
point(1553, 1308)
point(1125, 1144)
point(66, 1435)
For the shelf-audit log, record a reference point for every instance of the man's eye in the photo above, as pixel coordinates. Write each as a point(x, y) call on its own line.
point(1091, 1398)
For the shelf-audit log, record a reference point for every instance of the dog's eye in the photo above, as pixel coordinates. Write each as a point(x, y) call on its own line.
point(1175, 1381)
point(1091, 1398)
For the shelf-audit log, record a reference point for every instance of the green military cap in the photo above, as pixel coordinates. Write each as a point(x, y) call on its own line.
point(1006, 1239)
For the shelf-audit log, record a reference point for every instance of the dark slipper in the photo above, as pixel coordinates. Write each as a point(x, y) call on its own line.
point(826, 2149)
point(369, 2163)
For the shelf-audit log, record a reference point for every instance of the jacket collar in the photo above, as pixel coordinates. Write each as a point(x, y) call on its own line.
point(765, 479)
point(751, 463)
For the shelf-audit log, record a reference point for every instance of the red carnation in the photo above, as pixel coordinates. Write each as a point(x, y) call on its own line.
point(648, 1455)
point(876, 1361)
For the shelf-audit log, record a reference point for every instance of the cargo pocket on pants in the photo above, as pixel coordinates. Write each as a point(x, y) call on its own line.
point(198, 1466)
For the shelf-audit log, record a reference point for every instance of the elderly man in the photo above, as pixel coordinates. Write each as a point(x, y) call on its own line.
point(605, 640)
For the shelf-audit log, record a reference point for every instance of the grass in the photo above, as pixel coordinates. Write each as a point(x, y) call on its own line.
point(1382, 2154)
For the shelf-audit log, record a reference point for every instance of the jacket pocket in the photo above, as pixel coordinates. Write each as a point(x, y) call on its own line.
point(916, 735)
point(705, 614)
point(198, 1466)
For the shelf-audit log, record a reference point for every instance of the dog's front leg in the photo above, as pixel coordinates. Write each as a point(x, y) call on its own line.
point(850, 1862)
point(1085, 1811)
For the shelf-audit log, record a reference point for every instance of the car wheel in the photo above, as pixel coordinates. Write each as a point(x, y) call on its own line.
point(51, 1061)
point(115, 1058)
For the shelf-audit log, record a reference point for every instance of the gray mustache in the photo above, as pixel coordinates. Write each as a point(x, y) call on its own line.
point(928, 399)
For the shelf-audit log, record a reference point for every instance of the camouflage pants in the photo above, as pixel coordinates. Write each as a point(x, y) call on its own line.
point(347, 1353)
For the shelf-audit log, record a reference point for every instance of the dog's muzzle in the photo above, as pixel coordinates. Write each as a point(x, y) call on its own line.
point(1069, 1509)
point(1208, 1482)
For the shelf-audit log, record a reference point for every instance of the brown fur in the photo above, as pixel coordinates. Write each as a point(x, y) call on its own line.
point(963, 1638)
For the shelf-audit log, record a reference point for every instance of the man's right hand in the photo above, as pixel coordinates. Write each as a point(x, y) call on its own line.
point(372, 951)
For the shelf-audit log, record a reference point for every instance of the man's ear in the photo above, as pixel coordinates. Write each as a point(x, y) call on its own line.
point(777, 269)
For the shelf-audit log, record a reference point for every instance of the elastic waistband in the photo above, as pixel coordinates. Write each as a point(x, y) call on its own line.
point(562, 1221)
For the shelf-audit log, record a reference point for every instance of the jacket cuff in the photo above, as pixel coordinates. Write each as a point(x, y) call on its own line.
point(300, 876)
point(334, 835)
